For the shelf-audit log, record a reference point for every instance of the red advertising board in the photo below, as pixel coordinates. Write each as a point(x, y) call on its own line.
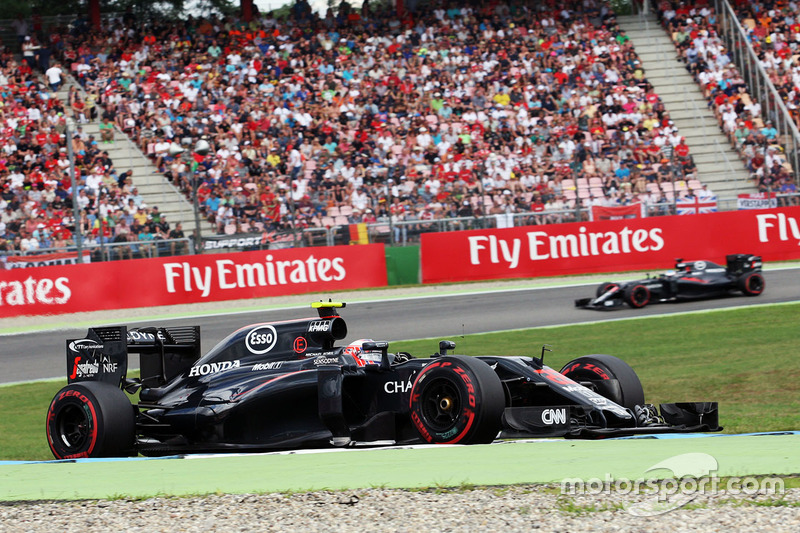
point(608, 246)
point(189, 279)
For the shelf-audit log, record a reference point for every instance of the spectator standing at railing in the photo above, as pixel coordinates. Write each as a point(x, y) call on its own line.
point(179, 248)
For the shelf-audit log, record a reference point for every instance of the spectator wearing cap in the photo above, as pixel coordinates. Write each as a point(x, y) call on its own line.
point(769, 132)
point(424, 139)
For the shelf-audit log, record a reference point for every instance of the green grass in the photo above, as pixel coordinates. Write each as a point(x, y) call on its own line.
point(746, 359)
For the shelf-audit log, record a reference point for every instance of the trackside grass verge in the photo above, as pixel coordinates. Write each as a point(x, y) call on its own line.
point(743, 358)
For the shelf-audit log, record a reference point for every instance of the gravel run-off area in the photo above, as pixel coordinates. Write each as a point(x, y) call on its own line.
point(502, 509)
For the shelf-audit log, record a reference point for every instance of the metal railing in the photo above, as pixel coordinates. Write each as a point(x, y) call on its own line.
point(758, 82)
point(113, 251)
point(400, 233)
point(135, 158)
point(720, 157)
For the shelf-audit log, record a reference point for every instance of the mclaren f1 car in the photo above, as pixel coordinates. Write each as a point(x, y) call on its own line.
point(282, 385)
point(691, 280)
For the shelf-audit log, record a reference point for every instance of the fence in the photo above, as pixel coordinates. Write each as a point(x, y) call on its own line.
point(97, 252)
point(759, 83)
point(398, 233)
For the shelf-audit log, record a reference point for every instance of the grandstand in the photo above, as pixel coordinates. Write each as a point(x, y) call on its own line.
point(449, 118)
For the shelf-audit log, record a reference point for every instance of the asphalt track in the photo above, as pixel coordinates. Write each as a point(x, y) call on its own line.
point(456, 311)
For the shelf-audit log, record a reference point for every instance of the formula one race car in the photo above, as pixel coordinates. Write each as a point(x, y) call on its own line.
point(690, 280)
point(282, 385)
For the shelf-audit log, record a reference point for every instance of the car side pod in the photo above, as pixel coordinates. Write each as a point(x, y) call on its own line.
point(701, 415)
point(329, 403)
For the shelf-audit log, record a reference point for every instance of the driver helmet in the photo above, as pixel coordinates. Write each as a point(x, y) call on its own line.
point(362, 358)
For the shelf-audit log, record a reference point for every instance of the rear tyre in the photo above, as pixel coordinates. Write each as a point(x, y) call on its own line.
point(91, 419)
point(599, 368)
point(604, 288)
point(751, 284)
point(637, 296)
point(457, 400)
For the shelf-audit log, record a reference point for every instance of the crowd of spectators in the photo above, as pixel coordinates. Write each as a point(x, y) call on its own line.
point(459, 111)
point(694, 29)
point(35, 185)
point(360, 116)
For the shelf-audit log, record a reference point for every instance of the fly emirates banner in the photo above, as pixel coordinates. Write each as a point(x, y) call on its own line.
point(608, 246)
point(190, 279)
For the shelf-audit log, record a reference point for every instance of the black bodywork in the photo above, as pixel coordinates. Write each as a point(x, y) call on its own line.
point(285, 385)
point(690, 280)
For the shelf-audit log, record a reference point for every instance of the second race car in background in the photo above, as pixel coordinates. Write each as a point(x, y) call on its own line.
point(690, 280)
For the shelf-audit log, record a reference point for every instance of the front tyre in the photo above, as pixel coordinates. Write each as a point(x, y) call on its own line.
point(751, 284)
point(602, 368)
point(604, 288)
point(637, 296)
point(90, 419)
point(457, 400)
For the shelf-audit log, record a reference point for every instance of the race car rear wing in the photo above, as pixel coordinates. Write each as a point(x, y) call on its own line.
point(102, 355)
point(740, 263)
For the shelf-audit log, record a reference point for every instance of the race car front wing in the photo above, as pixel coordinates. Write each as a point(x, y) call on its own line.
point(578, 421)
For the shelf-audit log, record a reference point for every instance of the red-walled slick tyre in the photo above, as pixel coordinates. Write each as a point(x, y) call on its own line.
point(90, 419)
point(751, 284)
point(637, 296)
point(457, 400)
point(604, 288)
point(602, 367)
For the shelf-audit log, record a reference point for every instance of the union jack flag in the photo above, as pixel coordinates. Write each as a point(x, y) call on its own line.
point(692, 206)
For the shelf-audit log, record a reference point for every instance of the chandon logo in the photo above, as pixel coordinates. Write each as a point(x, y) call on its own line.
point(261, 339)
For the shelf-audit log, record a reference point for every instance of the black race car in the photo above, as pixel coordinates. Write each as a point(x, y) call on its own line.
point(282, 385)
point(689, 281)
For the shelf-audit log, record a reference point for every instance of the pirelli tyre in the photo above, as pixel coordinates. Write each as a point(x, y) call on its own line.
point(751, 284)
point(637, 295)
point(457, 400)
point(604, 288)
point(91, 419)
point(601, 368)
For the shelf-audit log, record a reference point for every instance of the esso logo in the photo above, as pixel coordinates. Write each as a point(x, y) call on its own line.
point(261, 339)
point(700, 265)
